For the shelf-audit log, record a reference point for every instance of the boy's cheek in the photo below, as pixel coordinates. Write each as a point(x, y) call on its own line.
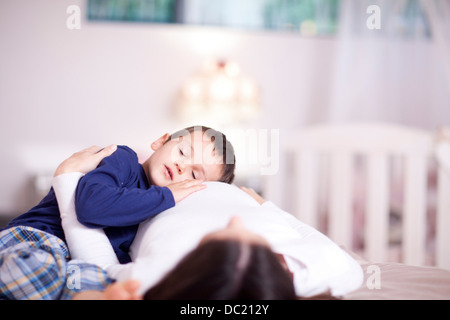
point(157, 181)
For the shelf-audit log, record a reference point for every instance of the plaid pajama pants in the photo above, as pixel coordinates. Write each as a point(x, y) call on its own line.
point(36, 265)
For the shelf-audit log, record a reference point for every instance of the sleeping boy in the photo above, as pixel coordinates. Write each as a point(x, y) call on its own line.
point(117, 196)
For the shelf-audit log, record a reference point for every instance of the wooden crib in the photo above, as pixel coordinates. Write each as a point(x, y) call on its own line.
point(357, 182)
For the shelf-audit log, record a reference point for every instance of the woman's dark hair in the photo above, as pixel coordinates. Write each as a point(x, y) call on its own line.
point(226, 270)
point(223, 149)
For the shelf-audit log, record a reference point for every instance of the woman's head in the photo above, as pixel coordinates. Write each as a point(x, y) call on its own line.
point(230, 263)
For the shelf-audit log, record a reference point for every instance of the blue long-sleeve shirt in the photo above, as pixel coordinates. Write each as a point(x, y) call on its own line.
point(116, 197)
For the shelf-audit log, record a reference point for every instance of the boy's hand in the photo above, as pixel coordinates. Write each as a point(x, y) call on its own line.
point(127, 290)
point(253, 194)
point(181, 190)
point(85, 160)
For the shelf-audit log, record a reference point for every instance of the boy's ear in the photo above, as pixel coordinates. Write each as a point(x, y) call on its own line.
point(158, 143)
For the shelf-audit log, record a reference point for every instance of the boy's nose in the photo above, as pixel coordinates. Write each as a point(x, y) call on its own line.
point(180, 167)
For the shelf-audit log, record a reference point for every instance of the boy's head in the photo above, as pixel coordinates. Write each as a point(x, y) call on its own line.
point(196, 152)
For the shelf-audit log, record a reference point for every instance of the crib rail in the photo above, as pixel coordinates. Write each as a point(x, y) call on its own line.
point(327, 153)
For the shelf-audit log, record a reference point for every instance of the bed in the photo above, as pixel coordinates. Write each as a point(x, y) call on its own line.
point(402, 248)
point(399, 281)
point(378, 190)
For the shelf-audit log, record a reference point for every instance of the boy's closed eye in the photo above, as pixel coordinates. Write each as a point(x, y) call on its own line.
point(185, 152)
point(184, 149)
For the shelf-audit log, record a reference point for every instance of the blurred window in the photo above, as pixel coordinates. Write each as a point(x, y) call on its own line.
point(405, 18)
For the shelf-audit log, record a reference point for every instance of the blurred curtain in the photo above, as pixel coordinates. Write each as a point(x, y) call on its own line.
point(394, 73)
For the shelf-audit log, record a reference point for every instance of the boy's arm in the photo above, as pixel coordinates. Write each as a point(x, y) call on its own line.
point(126, 290)
point(253, 194)
point(108, 197)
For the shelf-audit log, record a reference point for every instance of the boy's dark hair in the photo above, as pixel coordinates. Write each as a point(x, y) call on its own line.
point(217, 270)
point(223, 149)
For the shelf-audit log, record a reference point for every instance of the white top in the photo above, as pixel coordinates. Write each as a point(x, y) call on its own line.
point(317, 263)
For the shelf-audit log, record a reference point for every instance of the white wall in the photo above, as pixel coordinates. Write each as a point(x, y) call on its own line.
point(61, 89)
